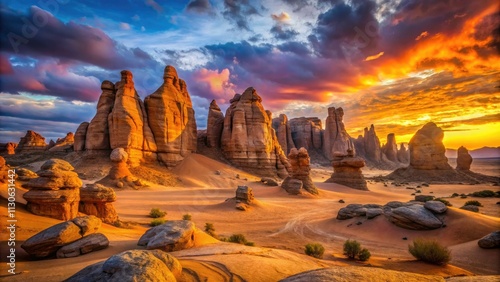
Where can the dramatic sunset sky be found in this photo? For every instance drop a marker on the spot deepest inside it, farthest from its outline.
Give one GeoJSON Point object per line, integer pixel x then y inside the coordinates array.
{"type": "Point", "coordinates": [394, 63]}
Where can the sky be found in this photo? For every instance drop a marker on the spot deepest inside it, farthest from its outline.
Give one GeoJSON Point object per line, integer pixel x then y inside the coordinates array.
{"type": "Point", "coordinates": [397, 64]}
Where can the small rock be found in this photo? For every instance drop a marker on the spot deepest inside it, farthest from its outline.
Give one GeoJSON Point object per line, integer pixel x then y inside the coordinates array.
{"type": "Point", "coordinates": [119, 184]}
{"type": "Point", "coordinates": [241, 207]}
{"type": "Point", "coordinates": [359, 223]}
{"type": "Point", "coordinates": [343, 202]}
{"type": "Point", "coordinates": [436, 206]}
{"type": "Point", "coordinates": [490, 241]}
{"type": "Point", "coordinates": [217, 172]}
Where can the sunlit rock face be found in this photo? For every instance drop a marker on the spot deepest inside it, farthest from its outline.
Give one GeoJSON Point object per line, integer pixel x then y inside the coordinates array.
{"type": "Point", "coordinates": [248, 139]}
{"type": "Point", "coordinates": [427, 151]}
{"type": "Point", "coordinates": [336, 140]}
{"type": "Point", "coordinates": [283, 130]}
{"type": "Point", "coordinates": [31, 142]}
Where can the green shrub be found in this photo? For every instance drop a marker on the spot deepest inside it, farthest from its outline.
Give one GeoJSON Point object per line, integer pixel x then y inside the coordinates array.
{"type": "Point", "coordinates": [157, 213]}
{"type": "Point", "coordinates": [351, 248]}
{"type": "Point", "coordinates": [210, 229]}
{"type": "Point", "coordinates": [157, 221]}
{"type": "Point", "coordinates": [448, 204]}
{"type": "Point", "coordinates": [430, 251]}
{"type": "Point", "coordinates": [237, 238]}
{"type": "Point", "coordinates": [364, 255]}
{"type": "Point", "coordinates": [250, 244]}
{"type": "Point", "coordinates": [187, 216]}
{"type": "Point", "coordinates": [454, 195]}
{"type": "Point", "coordinates": [484, 194]}
{"type": "Point", "coordinates": [315, 250]}
{"type": "Point", "coordinates": [473, 203]}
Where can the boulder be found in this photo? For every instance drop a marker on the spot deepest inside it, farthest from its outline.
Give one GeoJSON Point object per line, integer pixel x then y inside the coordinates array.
{"type": "Point", "coordinates": [490, 241]}
{"type": "Point", "coordinates": [292, 186]}
{"type": "Point", "coordinates": [248, 139]}
{"type": "Point", "coordinates": [133, 265]}
{"type": "Point", "coordinates": [215, 124]}
{"type": "Point", "coordinates": [351, 211]}
{"type": "Point", "coordinates": [414, 217]}
{"type": "Point", "coordinates": [269, 181]}
{"type": "Point", "coordinates": [436, 207]}
{"type": "Point", "coordinates": [300, 169]}
{"type": "Point", "coordinates": [244, 194]}
{"type": "Point", "coordinates": [48, 241]}
{"type": "Point", "coordinates": [171, 118]}
{"type": "Point", "coordinates": [120, 169]}
{"type": "Point", "coordinates": [97, 200]}
{"type": "Point", "coordinates": [171, 236]}
{"type": "Point", "coordinates": [347, 171]}
{"type": "Point", "coordinates": [80, 136]}
{"type": "Point", "coordinates": [464, 159]}
{"type": "Point", "coordinates": [55, 193]}
{"type": "Point", "coordinates": [427, 151]}
{"type": "Point", "coordinates": [87, 244]}
{"type": "Point", "coordinates": [335, 137]}
{"type": "Point", "coordinates": [373, 212]}
{"type": "Point", "coordinates": [31, 142]}
{"type": "Point", "coordinates": [283, 133]}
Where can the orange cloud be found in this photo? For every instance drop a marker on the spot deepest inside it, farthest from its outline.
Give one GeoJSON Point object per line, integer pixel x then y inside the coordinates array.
{"type": "Point", "coordinates": [374, 57]}
{"type": "Point", "coordinates": [422, 35]}
{"type": "Point", "coordinates": [283, 17]}
{"type": "Point", "coordinates": [216, 82]}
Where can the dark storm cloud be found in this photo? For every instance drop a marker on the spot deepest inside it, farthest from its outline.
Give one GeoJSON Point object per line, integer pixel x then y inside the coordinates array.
{"type": "Point", "coordinates": [199, 6]}
{"type": "Point", "coordinates": [238, 11]}
{"type": "Point", "coordinates": [282, 33]}
{"type": "Point", "coordinates": [298, 48]}
{"type": "Point", "coordinates": [39, 33]}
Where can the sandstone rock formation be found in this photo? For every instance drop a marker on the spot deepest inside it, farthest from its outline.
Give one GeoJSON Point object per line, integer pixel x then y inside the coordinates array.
{"type": "Point", "coordinates": [347, 171]}
{"type": "Point", "coordinates": [174, 235]}
{"type": "Point", "coordinates": [119, 169]}
{"type": "Point", "coordinates": [97, 200]}
{"type": "Point", "coordinates": [244, 194]}
{"type": "Point", "coordinates": [85, 245]}
{"type": "Point", "coordinates": [97, 137]}
{"type": "Point", "coordinates": [415, 217]}
{"type": "Point", "coordinates": [132, 265]}
{"type": "Point", "coordinates": [284, 133]}
{"type": "Point", "coordinates": [80, 136]}
{"type": "Point", "coordinates": [403, 154]}
{"type": "Point", "coordinates": [464, 159]}
{"type": "Point", "coordinates": [390, 149]}
{"type": "Point", "coordinates": [48, 241]}
{"type": "Point", "coordinates": [248, 139]}
{"type": "Point", "coordinates": [4, 171]}
{"type": "Point", "coordinates": [31, 142]}
{"type": "Point", "coordinates": [336, 139]}
{"type": "Point", "coordinates": [300, 170]}
{"type": "Point", "coordinates": [8, 148]}
{"type": "Point", "coordinates": [490, 241]}
{"type": "Point", "coordinates": [215, 124]}
{"type": "Point", "coordinates": [427, 151]}
{"type": "Point", "coordinates": [307, 132]}
{"type": "Point", "coordinates": [369, 145]}
{"type": "Point", "coordinates": [171, 118]}
{"type": "Point", "coordinates": [24, 174]}
{"type": "Point", "coordinates": [56, 192]}
{"type": "Point", "coordinates": [64, 144]}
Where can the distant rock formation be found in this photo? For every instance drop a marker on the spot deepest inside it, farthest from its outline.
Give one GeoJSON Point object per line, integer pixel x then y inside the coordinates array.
{"type": "Point", "coordinates": [8, 148]}
{"type": "Point", "coordinates": [215, 124]}
{"type": "Point", "coordinates": [248, 139]}
{"type": "Point", "coordinates": [64, 144]}
{"type": "Point", "coordinates": [284, 133]}
{"type": "Point", "coordinates": [347, 171]}
{"type": "Point", "coordinates": [368, 146]}
{"type": "Point", "coordinates": [162, 128]}
{"type": "Point", "coordinates": [80, 136]}
{"type": "Point", "coordinates": [300, 171]}
{"type": "Point", "coordinates": [31, 142]}
{"type": "Point", "coordinates": [56, 192]}
{"type": "Point", "coordinates": [403, 154]}
{"type": "Point", "coordinates": [336, 139]}
{"type": "Point", "coordinates": [307, 132]}
{"type": "Point", "coordinates": [4, 171]}
{"type": "Point", "coordinates": [171, 117]}
{"type": "Point", "coordinates": [97, 200]}
{"type": "Point", "coordinates": [390, 149]}
{"type": "Point", "coordinates": [464, 159]}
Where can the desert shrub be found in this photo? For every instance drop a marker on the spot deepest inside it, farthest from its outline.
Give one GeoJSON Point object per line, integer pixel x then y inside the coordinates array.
{"type": "Point", "coordinates": [473, 203]}
{"type": "Point", "coordinates": [237, 238]}
{"type": "Point", "coordinates": [484, 194]}
{"type": "Point", "coordinates": [249, 244]}
{"type": "Point", "coordinates": [187, 216]}
{"type": "Point", "coordinates": [430, 251]}
{"type": "Point", "coordinates": [210, 229]}
{"type": "Point", "coordinates": [455, 195]}
{"type": "Point", "coordinates": [351, 248]}
{"type": "Point", "coordinates": [364, 255]}
{"type": "Point", "coordinates": [157, 221]}
{"type": "Point", "coordinates": [157, 213]}
{"type": "Point", "coordinates": [315, 250]}
{"type": "Point", "coordinates": [447, 203]}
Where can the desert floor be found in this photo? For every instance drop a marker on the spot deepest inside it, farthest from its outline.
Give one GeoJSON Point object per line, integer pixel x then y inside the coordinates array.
{"type": "Point", "coordinates": [279, 224]}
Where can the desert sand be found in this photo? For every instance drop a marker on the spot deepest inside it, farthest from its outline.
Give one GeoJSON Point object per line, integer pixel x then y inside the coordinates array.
{"type": "Point", "coordinates": [279, 224]}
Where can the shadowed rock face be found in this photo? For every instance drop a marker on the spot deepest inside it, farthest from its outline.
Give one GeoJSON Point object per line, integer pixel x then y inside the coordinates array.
{"type": "Point", "coordinates": [390, 149]}
{"type": "Point", "coordinates": [248, 139]}
{"type": "Point", "coordinates": [403, 154]}
{"type": "Point", "coordinates": [335, 138]}
{"type": "Point", "coordinates": [464, 159]}
{"type": "Point", "coordinates": [32, 141]}
{"type": "Point", "coordinates": [284, 133]}
{"type": "Point", "coordinates": [300, 170]}
{"type": "Point", "coordinates": [427, 151]}
{"type": "Point", "coordinates": [80, 136]}
{"type": "Point", "coordinates": [215, 124]}
{"type": "Point", "coordinates": [307, 132]}
{"type": "Point", "coordinates": [347, 171]}
{"type": "Point", "coordinates": [64, 144]}
{"type": "Point", "coordinates": [97, 136]}
{"type": "Point", "coordinates": [171, 118]}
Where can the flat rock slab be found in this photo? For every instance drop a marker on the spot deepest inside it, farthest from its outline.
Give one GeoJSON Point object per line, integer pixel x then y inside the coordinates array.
{"type": "Point", "coordinates": [171, 236]}
{"type": "Point", "coordinates": [93, 242]}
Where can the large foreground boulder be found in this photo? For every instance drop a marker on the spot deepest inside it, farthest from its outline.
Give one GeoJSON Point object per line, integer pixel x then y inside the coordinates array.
{"type": "Point", "coordinates": [48, 241]}
{"type": "Point", "coordinates": [490, 241]}
{"type": "Point", "coordinates": [415, 217]}
{"type": "Point", "coordinates": [132, 265]}
{"type": "Point", "coordinates": [171, 236]}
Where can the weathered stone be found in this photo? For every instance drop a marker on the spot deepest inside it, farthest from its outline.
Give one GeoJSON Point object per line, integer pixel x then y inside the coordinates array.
{"type": "Point", "coordinates": [64, 144]}
{"type": "Point", "coordinates": [25, 174]}
{"type": "Point", "coordinates": [244, 194]}
{"type": "Point", "coordinates": [347, 171]}
{"type": "Point", "coordinates": [403, 154]}
{"type": "Point", "coordinates": [171, 236]}
{"type": "Point", "coordinates": [373, 212]}
{"type": "Point", "coordinates": [414, 217]}
{"type": "Point", "coordinates": [269, 181]}
{"type": "Point", "coordinates": [90, 243]}
{"type": "Point", "coordinates": [96, 199]}
{"type": "Point", "coordinates": [248, 139]}
{"type": "Point", "coordinates": [300, 169]}
{"type": "Point", "coordinates": [283, 133]}
{"type": "Point", "coordinates": [215, 124]}
{"type": "Point", "coordinates": [336, 140]}
{"type": "Point", "coordinates": [31, 142]}
{"type": "Point", "coordinates": [80, 136]}
{"type": "Point", "coordinates": [390, 149]}
{"type": "Point", "coordinates": [490, 241]}
{"type": "Point", "coordinates": [133, 265]}
{"type": "Point", "coordinates": [97, 137]}
{"type": "Point", "coordinates": [307, 132]}
{"type": "Point", "coordinates": [292, 186]}
{"type": "Point", "coordinates": [120, 169]}
{"type": "Point", "coordinates": [427, 151]}
{"type": "Point", "coordinates": [464, 159]}
{"type": "Point", "coordinates": [351, 211]}
{"type": "Point", "coordinates": [436, 206]}
{"type": "Point", "coordinates": [10, 148]}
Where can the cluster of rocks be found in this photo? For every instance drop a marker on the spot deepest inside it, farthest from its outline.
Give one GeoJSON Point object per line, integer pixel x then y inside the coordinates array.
{"type": "Point", "coordinates": [162, 128]}
{"type": "Point", "coordinates": [67, 239]}
{"type": "Point", "coordinates": [299, 178]}
{"type": "Point", "coordinates": [174, 235]}
{"type": "Point", "coordinates": [347, 171]}
{"type": "Point", "coordinates": [244, 198]}
{"type": "Point", "coordinates": [55, 192]}
{"type": "Point", "coordinates": [35, 142]}
{"type": "Point", "coordinates": [132, 265]}
{"type": "Point", "coordinates": [62, 144]}
{"type": "Point", "coordinates": [413, 215]}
